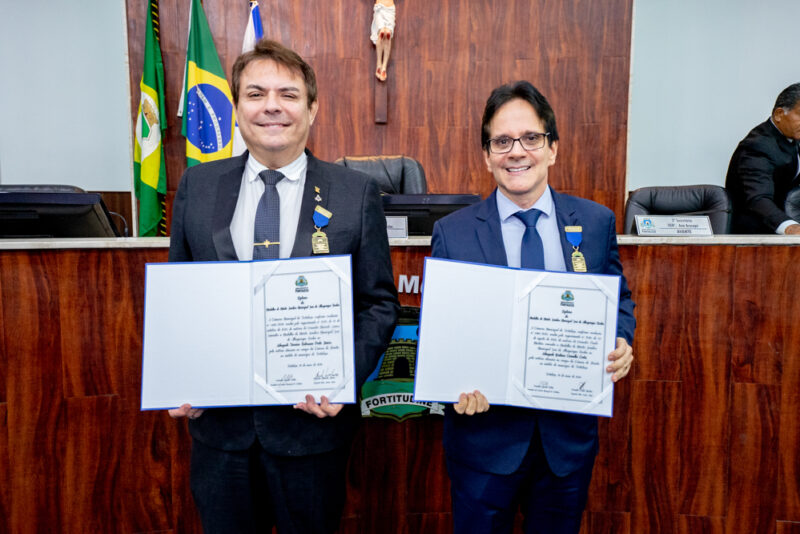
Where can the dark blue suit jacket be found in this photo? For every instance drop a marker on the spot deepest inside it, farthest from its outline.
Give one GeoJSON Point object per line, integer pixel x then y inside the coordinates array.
{"type": "Point", "coordinates": [496, 441]}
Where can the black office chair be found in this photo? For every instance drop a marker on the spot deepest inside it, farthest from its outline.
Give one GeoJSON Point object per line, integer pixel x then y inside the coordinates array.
{"type": "Point", "coordinates": [792, 205]}
{"type": "Point", "coordinates": [711, 200]}
{"type": "Point", "coordinates": [39, 188]}
{"type": "Point", "coordinates": [394, 174]}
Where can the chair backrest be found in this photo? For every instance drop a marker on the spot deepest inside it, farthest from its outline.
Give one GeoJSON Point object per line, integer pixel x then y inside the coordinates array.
{"type": "Point", "coordinates": [792, 206]}
{"type": "Point", "coordinates": [394, 174]}
{"type": "Point", "coordinates": [711, 200]}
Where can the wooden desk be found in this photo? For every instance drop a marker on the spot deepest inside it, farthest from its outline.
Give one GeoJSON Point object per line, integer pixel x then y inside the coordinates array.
{"type": "Point", "coordinates": [704, 437]}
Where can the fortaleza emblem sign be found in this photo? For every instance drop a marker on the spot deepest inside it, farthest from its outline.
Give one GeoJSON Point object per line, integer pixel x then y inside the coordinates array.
{"type": "Point", "coordinates": [389, 390]}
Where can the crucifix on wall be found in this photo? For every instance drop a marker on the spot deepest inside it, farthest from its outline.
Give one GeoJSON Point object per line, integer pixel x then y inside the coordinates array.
{"type": "Point", "coordinates": [381, 34]}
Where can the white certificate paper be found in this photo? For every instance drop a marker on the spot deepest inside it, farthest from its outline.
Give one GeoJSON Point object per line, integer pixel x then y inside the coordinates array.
{"type": "Point", "coordinates": [526, 338]}
{"type": "Point", "coordinates": [248, 333]}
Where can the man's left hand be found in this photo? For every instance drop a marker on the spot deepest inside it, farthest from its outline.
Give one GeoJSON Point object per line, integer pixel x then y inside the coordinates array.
{"type": "Point", "coordinates": [621, 360]}
{"type": "Point", "coordinates": [323, 409]}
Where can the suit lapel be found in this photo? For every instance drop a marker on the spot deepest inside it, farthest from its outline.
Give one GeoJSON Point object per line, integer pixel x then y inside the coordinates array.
{"type": "Point", "coordinates": [228, 188]}
{"type": "Point", "coordinates": [566, 216]}
{"type": "Point", "coordinates": [315, 179]}
{"type": "Point", "coordinates": [490, 236]}
{"type": "Point", "coordinates": [791, 149]}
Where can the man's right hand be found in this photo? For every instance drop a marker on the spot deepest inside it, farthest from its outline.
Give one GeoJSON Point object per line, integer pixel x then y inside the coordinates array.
{"type": "Point", "coordinates": [185, 410]}
{"type": "Point", "coordinates": [792, 229]}
{"type": "Point", "coordinates": [471, 403]}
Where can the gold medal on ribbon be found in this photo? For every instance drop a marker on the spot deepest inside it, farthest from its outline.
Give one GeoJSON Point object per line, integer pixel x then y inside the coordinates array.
{"type": "Point", "coordinates": [574, 235]}
{"type": "Point", "coordinates": [578, 262]}
{"type": "Point", "coordinates": [319, 243]}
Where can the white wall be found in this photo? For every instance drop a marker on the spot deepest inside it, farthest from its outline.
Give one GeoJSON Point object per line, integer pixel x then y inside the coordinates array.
{"type": "Point", "coordinates": [704, 72]}
{"type": "Point", "coordinates": [64, 94]}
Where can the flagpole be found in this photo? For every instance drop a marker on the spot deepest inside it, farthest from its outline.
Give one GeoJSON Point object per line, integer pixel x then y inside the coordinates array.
{"type": "Point", "coordinates": [185, 63]}
{"type": "Point", "coordinates": [134, 227]}
{"type": "Point", "coordinates": [162, 224]}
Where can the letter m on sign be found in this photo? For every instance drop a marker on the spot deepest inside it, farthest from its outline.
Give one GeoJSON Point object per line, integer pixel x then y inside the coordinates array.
{"type": "Point", "coordinates": [408, 285]}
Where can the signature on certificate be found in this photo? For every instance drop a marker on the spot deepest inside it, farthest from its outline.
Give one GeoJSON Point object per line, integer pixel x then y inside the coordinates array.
{"type": "Point", "coordinates": [327, 374]}
{"type": "Point", "coordinates": [285, 379]}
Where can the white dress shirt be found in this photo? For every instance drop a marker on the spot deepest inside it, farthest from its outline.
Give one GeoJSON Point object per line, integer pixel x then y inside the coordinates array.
{"type": "Point", "coordinates": [547, 226]}
{"type": "Point", "coordinates": [290, 190]}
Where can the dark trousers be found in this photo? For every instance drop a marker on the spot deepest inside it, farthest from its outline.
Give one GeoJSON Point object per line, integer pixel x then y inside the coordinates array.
{"type": "Point", "coordinates": [488, 503]}
{"type": "Point", "coordinates": [251, 491]}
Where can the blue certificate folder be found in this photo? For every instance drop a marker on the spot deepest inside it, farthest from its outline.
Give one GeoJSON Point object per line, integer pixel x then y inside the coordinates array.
{"type": "Point", "coordinates": [534, 339]}
{"type": "Point", "coordinates": [248, 333]}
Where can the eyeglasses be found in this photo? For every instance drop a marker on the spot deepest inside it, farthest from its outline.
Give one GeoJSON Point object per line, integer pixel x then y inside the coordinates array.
{"type": "Point", "coordinates": [529, 141]}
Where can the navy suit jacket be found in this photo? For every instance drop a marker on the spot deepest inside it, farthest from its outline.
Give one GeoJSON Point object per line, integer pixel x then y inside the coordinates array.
{"type": "Point", "coordinates": [762, 170]}
{"type": "Point", "coordinates": [202, 213]}
{"type": "Point", "coordinates": [496, 441]}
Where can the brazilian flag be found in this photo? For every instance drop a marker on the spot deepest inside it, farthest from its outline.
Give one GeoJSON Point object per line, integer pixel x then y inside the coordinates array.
{"type": "Point", "coordinates": [207, 105]}
{"type": "Point", "coordinates": [149, 170]}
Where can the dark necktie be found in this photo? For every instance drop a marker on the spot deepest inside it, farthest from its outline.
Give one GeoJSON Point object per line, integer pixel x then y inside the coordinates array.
{"type": "Point", "coordinates": [532, 253]}
{"type": "Point", "coordinates": [268, 218]}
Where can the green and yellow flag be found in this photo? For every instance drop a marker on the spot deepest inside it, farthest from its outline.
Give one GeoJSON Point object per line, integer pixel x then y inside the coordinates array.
{"type": "Point", "coordinates": [206, 104]}
{"type": "Point", "coordinates": [149, 170]}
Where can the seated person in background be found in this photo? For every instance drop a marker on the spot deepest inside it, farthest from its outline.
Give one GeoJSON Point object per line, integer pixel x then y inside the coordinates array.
{"type": "Point", "coordinates": [764, 167]}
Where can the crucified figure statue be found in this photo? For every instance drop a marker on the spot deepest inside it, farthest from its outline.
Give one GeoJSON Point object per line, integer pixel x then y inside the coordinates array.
{"type": "Point", "coordinates": [381, 33]}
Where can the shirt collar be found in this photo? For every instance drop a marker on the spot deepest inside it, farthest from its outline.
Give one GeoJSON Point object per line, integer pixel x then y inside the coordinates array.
{"type": "Point", "coordinates": [292, 171]}
{"type": "Point", "coordinates": [779, 130]}
{"type": "Point", "coordinates": [506, 208]}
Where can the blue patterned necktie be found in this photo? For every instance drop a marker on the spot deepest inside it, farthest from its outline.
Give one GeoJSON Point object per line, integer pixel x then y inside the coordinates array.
{"type": "Point", "coordinates": [532, 253]}
{"type": "Point", "coordinates": [268, 218]}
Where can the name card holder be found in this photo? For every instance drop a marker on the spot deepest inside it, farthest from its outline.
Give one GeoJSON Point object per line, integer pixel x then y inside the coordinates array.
{"type": "Point", "coordinates": [673, 225]}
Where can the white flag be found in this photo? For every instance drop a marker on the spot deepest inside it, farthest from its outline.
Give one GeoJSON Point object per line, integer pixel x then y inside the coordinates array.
{"type": "Point", "coordinates": [252, 34]}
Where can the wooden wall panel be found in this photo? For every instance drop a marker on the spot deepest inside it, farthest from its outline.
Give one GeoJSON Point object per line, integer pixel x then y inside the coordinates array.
{"type": "Point", "coordinates": [384, 486]}
{"type": "Point", "coordinates": [754, 469]}
{"type": "Point", "coordinates": [90, 463]}
{"type": "Point", "coordinates": [789, 436]}
{"type": "Point", "coordinates": [3, 354]}
{"type": "Point", "coordinates": [655, 456]}
{"type": "Point", "coordinates": [35, 406]}
{"type": "Point", "coordinates": [701, 525]}
{"type": "Point", "coordinates": [446, 58]}
{"type": "Point", "coordinates": [426, 469]}
{"type": "Point", "coordinates": [606, 523]}
{"type": "Point", "coordinates": [5, 490]}
{"type": "Point", "coordinates": [705, 374]}
{"type": "Point", "coordinates": [758, 291]}
{"type": "Point", "coordinates": [610, 490]}
{"type": "Point", "coordinates": [94, 362]}
{"type": "Point", "coordinates": [175, 457]}
{"type": "Point", "coordinates": [655, 275]}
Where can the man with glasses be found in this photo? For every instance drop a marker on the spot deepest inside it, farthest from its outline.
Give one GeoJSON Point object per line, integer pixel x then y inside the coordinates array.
{"type": "Point", "coordinates": [505, 458]}
{"type": "Point", "coordinates": [283, 466]}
